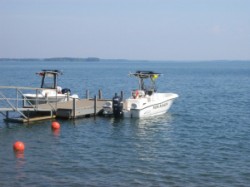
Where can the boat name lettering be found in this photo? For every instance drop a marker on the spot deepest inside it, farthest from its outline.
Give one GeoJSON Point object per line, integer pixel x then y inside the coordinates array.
{"type": "Point", "coordinates": [160, 105]}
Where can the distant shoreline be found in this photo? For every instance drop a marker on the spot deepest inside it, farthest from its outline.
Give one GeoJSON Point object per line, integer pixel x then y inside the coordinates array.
{"type": "Point", "coordinates": [96, 59]}
{"type": "Point", "coordinates": [52, 59]}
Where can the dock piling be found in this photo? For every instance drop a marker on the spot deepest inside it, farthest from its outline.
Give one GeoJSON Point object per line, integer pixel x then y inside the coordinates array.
{"type": "Point", "coordinates": [95, 105]}
{"type": "Point", "coordinates": [122, 95]}
{"type": "Point", "coordinates": [7, 115]}
{"type": "Point", "coordinates": [74, 108]}
{"type": "Point", "coordinates": [87, 94]}
{"type": "Point", "coordinates": [100, 94]}
{"type": "Point", "coordinates": [67, 96]}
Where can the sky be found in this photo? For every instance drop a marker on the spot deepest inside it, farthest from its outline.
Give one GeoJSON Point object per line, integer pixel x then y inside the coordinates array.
{"type": "Point", "coordinates": [126, 29]}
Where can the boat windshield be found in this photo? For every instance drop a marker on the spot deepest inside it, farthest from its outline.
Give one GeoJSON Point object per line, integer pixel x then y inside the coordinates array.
{"type": "Point", "coordinates": [49, 78]}
{"type": "Point", "coordinates": [48, 81]}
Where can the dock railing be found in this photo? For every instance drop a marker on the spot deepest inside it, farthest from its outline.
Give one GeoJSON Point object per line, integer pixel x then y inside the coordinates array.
{"type": "Point", "coordinates": [13, 99]}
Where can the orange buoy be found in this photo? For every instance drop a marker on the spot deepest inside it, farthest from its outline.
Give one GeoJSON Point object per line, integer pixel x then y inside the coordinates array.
{"type": "Point", "coordinates": [55, 125]}
{"type": "Point", "coordinates": [19, 146]}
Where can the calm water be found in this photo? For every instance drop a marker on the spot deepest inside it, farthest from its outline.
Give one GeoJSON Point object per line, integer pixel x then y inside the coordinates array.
{"type": "Point", "coordinates": [204, 140]}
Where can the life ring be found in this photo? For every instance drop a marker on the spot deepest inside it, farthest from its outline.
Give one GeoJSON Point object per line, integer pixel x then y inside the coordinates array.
{"type": "Point", "coordinates": [136, 94]}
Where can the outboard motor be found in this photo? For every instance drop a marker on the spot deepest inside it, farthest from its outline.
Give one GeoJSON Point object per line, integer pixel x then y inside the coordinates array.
{"type": "Point", "coordinates": [117, 106]}
{"type": "Point", "coordinates": [66, 91]}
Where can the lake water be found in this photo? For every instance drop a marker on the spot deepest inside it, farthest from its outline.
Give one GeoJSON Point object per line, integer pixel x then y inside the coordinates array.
{"type": "Point", "coordinates": [204, 140]}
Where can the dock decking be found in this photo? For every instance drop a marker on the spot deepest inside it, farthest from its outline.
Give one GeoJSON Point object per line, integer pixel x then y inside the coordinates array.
{"type": "Point", "coordinates": [67, 110]}
{"type": "Point", "coordinates": [79, 108]}
{"type": "Point", "coordinates": [72, 109]}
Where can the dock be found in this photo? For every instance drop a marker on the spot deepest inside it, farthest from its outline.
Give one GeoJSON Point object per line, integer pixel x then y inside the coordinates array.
{"type": "Point", "coordinates": [80, 108]}
{"type": "Point", "coordinates": [70, 109]}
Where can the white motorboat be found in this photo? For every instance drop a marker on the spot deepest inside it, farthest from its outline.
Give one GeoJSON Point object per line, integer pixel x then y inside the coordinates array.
{"type": "Point", "coordinates": [50, 92]}
{"type": "Point", "coordinates": [144, 101]}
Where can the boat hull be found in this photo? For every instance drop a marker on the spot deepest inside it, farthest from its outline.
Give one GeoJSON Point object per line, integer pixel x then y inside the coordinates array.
{"type": "Point", "coordinates": [152, 109]}
{"type": "Point", "coordinates": [31, 99]}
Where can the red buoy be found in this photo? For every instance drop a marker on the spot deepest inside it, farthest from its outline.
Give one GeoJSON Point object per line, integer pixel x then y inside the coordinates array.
{"type": "Point", "coordinates": [55, 125]}
{"type": "Point", "coordinates": [19, 146]}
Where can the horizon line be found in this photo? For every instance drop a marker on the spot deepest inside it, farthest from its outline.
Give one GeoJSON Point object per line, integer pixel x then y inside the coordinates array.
{"type": "Point", "coordinates": [122, 59]}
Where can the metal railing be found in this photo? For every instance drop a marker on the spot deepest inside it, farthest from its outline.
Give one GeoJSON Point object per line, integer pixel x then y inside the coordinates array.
{"type": "Point", "coordinates": [13, 99]}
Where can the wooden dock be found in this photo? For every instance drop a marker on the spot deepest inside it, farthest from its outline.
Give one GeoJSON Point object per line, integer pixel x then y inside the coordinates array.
{"type": "Point", "coordinates": [79, 108]}
{"type": "Point", "coordinates": [67, 110]}
{"type": "Point", "coordinates": [71, 109]}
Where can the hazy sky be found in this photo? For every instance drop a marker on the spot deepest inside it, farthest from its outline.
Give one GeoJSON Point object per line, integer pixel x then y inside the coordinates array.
{"type": "Point", "coordinates": [131, 29]}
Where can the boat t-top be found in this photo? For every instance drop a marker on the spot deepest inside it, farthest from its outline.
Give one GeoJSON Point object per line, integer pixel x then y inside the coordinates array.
{"type": "Point", "coordinates": [50, 92]}
{"type": "Point", "coordinates": [144, 101]}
